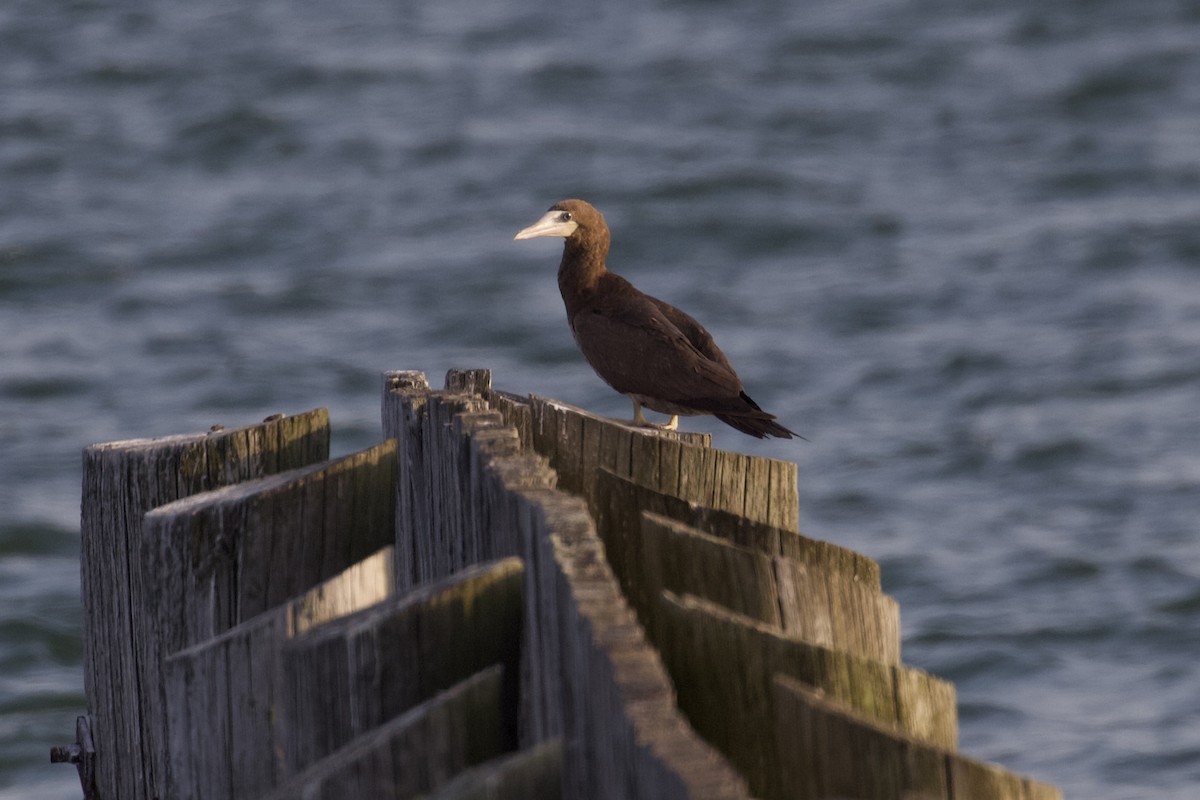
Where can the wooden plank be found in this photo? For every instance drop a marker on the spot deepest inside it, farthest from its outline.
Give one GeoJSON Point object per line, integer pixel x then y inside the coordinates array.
{"type": "Point", "coordinates": [498, 484]}
{"type": "Point", "coordinates": [207, 551]}
{"type": "Point", "coordinates": [237, 677]}
{"type": "Point", "coordinates": [644, 461]}
{"type": "Point", "coordinates": [355, 672]}
{"type": "Point", "coordinates": [517, 413]}
{"type": "Point", "coordinates": [437, 539]}
{"type": "Point", "coordinates": [697, 481]}
{"type": "Point", "coordinates": [591, 455]}
{"type": "Point", "coordinates": [922, 701]}
{"type": "Point", "coordinates": [577, 442]}
{"type": "Point", "coordinates": [717, 479]}
{"type": "Point", "coordinates": [805, 600]}
{"type": "Point", "coordinates": [825, 607]}
{"type": "Point", "coordinates": [670, 458]}
{"type": "Point", "coordinates": [403, 412]}
{"type": "Point", "coordinates": [531, 774]}
{"type": "Point", "coordinates": [183, 697]}
{"type": "Point", "coordinates": [121, 482]}
{"type": "Point", "coordinates": [417, 751]}
{"type": "Point", "coordinates": [782, 496]}
{"type": "Point", "coordinates": [482, 437]}
{"type": "Point", "coordinates": [732, 708]}
{"type": "Point", "coordinates": [976, 779]}
{"type": "Point", "coordinates": [221, 557]}
{"type": "Point", "coordinates": [289, 442]}
{"type": "Point", "coordinates": [567, 457]}
{"type": "Point", "coordinates": [252, 670]}
{"type": "Point", "coordinates": [757, 503]}
{"type": "Point", "coordinates": [620, 501]}
{"type": "Point", "coordinates": [670, 555]}
{"type": "Point", "coordinates": [618, 442]}
{"type": "Point", "coordinates": [469, 381]}
{"type": "Point", "coordinates": [730, 489]}
{"type": "Point", "coordinates": [801, 600]}
{"type": "Point", "coordinates": [823, 747]}
{"type": "Point", "coordinates": [275, 518]}
{"type": "Point", "coordinates": [823, 753]}
{"type": "Point", "coordinates": [360, 585]}
{"type": "Point", "coordinates": [209, 736]}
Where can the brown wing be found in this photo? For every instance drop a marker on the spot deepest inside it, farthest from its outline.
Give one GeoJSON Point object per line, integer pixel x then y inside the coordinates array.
{"type": "Point", "coordinates": [696, 334]}
{"type": "Point", "coordinates": [638, 349]}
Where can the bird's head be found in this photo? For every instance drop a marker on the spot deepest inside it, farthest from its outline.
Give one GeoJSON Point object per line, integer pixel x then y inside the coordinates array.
{"type": "Point", "coordinates": [568, 219]}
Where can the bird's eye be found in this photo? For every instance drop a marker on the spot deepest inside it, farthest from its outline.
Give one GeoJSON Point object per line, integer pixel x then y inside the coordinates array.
{"type": "Point", "coordinates": [564, 216]}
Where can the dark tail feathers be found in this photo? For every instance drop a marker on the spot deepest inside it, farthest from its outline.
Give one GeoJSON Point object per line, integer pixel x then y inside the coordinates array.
{"type": "Point", "coordinates": [758, 424]}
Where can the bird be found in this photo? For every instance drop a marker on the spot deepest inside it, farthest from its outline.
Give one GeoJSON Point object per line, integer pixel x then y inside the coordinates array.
{"type": "Point", "coordinates": [646, 349]}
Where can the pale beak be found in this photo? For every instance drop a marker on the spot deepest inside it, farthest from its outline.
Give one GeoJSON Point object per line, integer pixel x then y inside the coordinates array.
{"type": "Point", "coordinates": [548, 225]}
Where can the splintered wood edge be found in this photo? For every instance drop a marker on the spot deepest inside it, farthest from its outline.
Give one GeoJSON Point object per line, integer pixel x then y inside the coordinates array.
{"type": "Point", "coordinates": [961, 772]}
{"type": "Point", "coordinates": [319, 417]}
{"type": "Point", "coordinates": [254, 487]}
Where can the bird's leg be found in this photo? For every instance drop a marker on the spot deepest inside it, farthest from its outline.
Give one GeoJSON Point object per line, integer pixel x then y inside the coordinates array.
{"type": "Point", "coordinates": [638, 418]}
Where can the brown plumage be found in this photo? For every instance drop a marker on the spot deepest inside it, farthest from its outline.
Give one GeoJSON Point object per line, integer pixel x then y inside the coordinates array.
{"type": "Point", "coordinates": [644, 348]}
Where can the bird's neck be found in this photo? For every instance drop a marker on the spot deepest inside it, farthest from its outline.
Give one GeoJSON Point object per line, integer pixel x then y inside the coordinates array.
{"type": "Point", "coordinates": [580, 270]}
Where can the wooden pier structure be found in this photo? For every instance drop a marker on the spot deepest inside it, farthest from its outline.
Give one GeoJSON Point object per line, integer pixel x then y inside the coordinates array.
{"type": "Point", "coordinates": [507, 597]}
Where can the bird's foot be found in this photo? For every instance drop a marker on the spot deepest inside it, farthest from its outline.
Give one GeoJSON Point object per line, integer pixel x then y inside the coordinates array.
{"type": "Point", "coordinates": [654, 426]}
{"type": "Point", "coordinates": [640, 420]}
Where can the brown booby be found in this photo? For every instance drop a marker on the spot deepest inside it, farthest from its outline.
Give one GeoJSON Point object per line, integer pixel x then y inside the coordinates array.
{"type": "Point", "coordinates": [648, 350]}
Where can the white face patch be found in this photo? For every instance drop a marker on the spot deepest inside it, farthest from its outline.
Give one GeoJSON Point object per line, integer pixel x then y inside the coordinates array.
{"type": "Point", "coordinates": [551, 224]}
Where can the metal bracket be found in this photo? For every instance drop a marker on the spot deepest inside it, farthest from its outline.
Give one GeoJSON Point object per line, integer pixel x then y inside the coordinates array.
{"type": "Point", "coordinates": [82, 754]}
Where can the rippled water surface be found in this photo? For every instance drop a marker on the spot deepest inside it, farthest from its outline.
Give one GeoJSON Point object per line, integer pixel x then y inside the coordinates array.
{"type": "Point", "coordinates": [956, 245]}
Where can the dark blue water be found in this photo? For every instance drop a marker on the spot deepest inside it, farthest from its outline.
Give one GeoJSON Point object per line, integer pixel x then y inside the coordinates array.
{"type": "Point", "coordinates": [955, 244]}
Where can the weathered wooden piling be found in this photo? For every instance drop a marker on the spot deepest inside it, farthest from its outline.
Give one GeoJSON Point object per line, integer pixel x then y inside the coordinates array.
{"type": "Point", "coordinates": [121, 482]}
{"type": "Point", "coordinates": [507, 597]}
